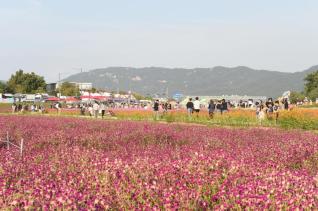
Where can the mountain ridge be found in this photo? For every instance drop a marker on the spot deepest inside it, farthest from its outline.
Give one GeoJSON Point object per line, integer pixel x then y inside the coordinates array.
{"type": "Point", "coordinates": [218, 80]}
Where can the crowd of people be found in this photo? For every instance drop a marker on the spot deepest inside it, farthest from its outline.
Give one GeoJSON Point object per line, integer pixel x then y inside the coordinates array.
{"type": "Point", "coordinates": [20, 108]}
{"type": "Point", "coordinates": [164, 106]}
{"type": "Point", "coordinates": [93, 109]}
{"type": "Point", "coordinates": [268, 109]}
{"type": "Point", "coordinates": [195, 106]}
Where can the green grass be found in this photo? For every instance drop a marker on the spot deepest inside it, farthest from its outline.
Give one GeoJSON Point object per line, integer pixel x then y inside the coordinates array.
{"type": "Point", "coordinates": [298, 123]}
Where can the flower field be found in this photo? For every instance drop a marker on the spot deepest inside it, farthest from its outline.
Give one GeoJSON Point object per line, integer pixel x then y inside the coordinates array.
{"type": "Point", "coordinates": [72, 163]}
{"type": "Point", "coordinates": [301, 118]}
{"type": "Point", "coordinates": [297, 118]}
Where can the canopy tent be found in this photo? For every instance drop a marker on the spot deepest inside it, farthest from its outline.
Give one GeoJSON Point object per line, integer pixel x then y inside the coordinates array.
{"type": "Point", "coordinates": [71, 99]}
{"type": "Point", "coordinates": [101, 98]}
{"type": "Point", "coordinates": [53, 99]}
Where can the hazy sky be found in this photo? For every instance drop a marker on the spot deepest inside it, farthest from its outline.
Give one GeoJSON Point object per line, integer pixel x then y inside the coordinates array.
{"type": "Point", "coordinates": [52, 36]}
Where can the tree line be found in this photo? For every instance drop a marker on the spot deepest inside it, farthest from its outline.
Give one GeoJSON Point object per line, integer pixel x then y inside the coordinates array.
{"type": "Point", "coordinates": [25, 83]}
{"type": "Point", "coordinates": [31, 83]}
{"type": "Point", "coordinates": [310, 89]}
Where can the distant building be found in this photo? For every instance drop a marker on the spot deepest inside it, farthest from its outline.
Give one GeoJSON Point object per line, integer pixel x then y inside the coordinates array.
{"type": "Point", "coordinates": [84, 86]}
{"type": "Point", "coordinates": [81, 86]}
{"type": "Point", "coordinates": [51, 87]}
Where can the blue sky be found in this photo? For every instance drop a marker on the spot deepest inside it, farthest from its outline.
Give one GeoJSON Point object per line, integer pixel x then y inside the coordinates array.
{"type": "Point", "coordinates": [52, 36]}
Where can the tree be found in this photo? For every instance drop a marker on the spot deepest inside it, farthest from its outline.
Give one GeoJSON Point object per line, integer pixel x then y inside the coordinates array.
{"type": "Point", "coordinates": [3, 87]}
{"type": "Point", "coordinates": [26, 83]}
{"type": "Point", "coordinates": [313, 94]}
{"type": "Point", "coordinates": [68, 89]}
{"type": "Point", "coordinates": [141, 97]}
{"type": "Point", "coordinates": [94, 90]}
{"type": "Point", "coordinates": [296, 97]}
{"type": "Point", "coordinates": [123, 92]}
{"type": "Point", "coordinates": [311, 85]}
{"type": "Point", "coordinates": [40, 90]}
{"type": "Point", "coordinates": [138, 96]}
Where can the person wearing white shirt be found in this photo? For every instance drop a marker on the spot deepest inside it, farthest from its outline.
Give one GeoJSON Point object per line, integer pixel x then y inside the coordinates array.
{"type": "Point", "coordinates": [96, 109]}
{"type": "Point", "coordinates": [196, 106]}
{"type": "Point", "coordinates": [58, 108]}
{"type": "Point", "coordinates": [90, 110]}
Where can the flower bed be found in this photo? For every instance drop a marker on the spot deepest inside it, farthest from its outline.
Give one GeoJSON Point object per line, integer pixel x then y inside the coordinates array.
{"type": "Point", "coordinates": [79, 164]}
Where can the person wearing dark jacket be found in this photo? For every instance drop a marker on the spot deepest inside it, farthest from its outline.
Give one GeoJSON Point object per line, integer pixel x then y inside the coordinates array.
{"type": "Point", "coordinates": [156, 109]}
{"type": "Point", "coordinates": [190, 107]}
{"type": "Point", "coordinates": [211, 108]}
{"type": "Point", "coordinates": [285, 102]}
{"type": "Point", "coordinates": [224, 106]}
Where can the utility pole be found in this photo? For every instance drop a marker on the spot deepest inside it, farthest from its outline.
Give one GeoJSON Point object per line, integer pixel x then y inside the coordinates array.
{"type": "Point", "coordinates": [59, 85]}
{"type": "Point", "coordinates": [167, 92]}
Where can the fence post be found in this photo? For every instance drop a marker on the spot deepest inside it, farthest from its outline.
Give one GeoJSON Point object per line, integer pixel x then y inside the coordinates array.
{"type": "Point", "coordinates": [21, 148]}
{"type": "Point", "coordinates": [8, 141]}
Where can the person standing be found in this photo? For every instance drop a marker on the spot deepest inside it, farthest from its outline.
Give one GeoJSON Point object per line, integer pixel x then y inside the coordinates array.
{"type": "Point", "coordinates": [224, 106]}
{"type": "Point", "coordinates": [41, 109]}
{"type": "Point", "coordinates": [13, 107]}
{"type": "Point", "coordinates": [96, 109]}
{"type": "Point", "coordinates": [103, 108]}
{"type": "Point", "coordinates": [82, 109]}
{"type": "Point", "coordinates": [270, 111]}
{"type": "Point", "coordinates": [258, 109]}
{"type": "Point", "coordinates": [190, 107]}
{"type": "Point", "coordinates": [22, 109]}
{"type": "Point", "coordinates": [90, 110]}
{"type": "Point", "coordinates": [197, 106]}
{"type": "Point", "coordinates": [32, 108]}
{"type": "Point", "coordinates": [261, 114]}
{"type": "Point", "coordinates": [219, 106]}
{"type": "Point", "coordinates": [58, 108]}
{"type": "Point", "coordinates": [156, 109]}
{"type": "Point", "coordinates": [285, 102]}
{"type": "Point", "coordinates": [276, 110]}
{"type": "Point", "coordinates": [269, 102]}
{"type": "Point", "coordinates": [19, 107]}
{"type": "Point", "coordinates": [269, 108]}
{"type": "Point", "coordinates": [165, 107]}
{"type": "Point", "coordinates": [211, 109]}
